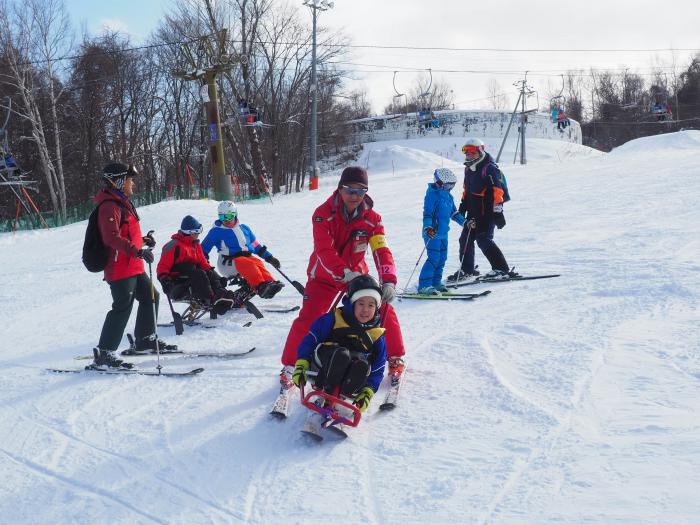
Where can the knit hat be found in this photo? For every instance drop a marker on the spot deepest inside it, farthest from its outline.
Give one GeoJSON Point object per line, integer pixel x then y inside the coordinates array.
{"type": "Point", "coordinates": [190, 225]}
{"type": "Point", "coordinates": [353, 175]}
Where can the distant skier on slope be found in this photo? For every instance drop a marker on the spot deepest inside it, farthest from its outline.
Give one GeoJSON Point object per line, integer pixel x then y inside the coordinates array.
{"type": "Point", "coordinates": [482, 204]}
{"type": "Point", "coordinates": [438, 209]}
{"type": "Point", "coordinates": [346, 346]}
{"type": "Point", "coordinates": [182, 265]}
{"type": "Point", "coordinates": [127, 248]}
{"type": "Point", "coordinates": [343, 227]}
{"type": "Point", "coordinates": [236, 244]}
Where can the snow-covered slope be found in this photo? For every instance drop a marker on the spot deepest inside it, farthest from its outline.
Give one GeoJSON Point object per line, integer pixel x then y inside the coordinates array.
{"type": "Point", "coordinates": [570, 400]}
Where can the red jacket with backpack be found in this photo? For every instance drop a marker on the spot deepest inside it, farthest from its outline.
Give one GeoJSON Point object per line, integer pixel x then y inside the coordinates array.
{"type": "Point", "coordinates": [121, 233]}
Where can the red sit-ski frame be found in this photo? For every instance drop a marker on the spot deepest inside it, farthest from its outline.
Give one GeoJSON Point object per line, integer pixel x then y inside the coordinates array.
{"type": "Point", "coordinates": [330, 410]}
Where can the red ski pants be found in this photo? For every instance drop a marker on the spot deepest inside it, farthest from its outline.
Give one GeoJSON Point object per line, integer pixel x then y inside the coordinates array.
{"type": "Point", "coordinates": [319, 298]}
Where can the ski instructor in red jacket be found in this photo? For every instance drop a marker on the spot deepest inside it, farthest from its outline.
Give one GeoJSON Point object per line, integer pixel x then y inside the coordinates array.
{"type": "Point", "coordinates": [128, 249]}
{"type": "Point", "coordinates": [343, 227]}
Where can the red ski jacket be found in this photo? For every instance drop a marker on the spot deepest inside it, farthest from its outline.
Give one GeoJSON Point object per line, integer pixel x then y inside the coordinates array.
{"type": "Point", "coordinates": [341, 242]}
{"type": "Point", "coordinates": [121, 233]}
{"type": "Point", "coordinates": [181, 249]}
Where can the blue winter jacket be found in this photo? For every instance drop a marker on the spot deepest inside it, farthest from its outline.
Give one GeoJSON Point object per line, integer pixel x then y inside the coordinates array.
{"type": "Point", "coordinates": [321, 331]}
{"type": "Point", "coordinates": [438, 208]}
{"type": "Point", "coordinates": [236, 241]}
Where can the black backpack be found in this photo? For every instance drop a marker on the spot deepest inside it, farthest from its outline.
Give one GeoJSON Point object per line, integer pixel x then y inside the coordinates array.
{"type": "Point", "coordinates": [95, 253]}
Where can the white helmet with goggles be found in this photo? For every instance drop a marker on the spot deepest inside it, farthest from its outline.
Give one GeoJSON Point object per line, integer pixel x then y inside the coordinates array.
{"type": "Point", "coordinates": [227, 211]}
{"type": "Point", "coordinates": [474, 150]}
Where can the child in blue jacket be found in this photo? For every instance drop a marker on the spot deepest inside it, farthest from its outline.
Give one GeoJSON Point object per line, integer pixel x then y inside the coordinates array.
{"type": "Point", "coordinates": [346, 346]}
{"type": "Point", "coordinates": [438, 209]}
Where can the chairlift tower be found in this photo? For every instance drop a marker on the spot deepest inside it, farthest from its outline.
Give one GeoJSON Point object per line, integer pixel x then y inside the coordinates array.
{"type": "Point", "coordinates": [524, 92]}
{"type": "Point", "coordinates": [315, 6]}
{"type": "Point", "coordinates": [219, 63]}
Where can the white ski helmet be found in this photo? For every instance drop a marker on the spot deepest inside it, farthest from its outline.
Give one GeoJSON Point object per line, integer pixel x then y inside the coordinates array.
{"type": "Point", "coordinates": [445, 179]}
{"type": "Point", "coordinates": [227, 211]}
{"type": "Point", "coordinates": [474, 150]}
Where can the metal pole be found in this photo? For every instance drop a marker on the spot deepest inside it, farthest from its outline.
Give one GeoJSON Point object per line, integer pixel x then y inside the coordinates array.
{"type": "Point", "coordinates": [314, 101]}
{"type": "Point", "coordinates": [223, 189]}
{"type": "Point", "coordinates": [523, 119]}
{"type": "Point", "coordinates": [512, 117]}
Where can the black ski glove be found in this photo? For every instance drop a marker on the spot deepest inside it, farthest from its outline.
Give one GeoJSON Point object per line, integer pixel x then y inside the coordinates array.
{"type": "Point", "coordinates": [499, 219]}
{"type": "Point", "coordinates": [274, 261]}
{"type": "Point", "coordinates": [166, 283]}
{"type": "Point", "coordinates": [146, 254]}
{"type": "Point", "coordinates": [149, 241]}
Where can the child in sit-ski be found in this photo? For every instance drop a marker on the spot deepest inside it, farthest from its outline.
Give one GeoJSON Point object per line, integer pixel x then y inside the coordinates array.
{"type": "Point", "coordinates": [438, 209]}
{"type": "Point", "coordinates": [346, 346]}
{"type": "Point", "coordinates": [236, 244]}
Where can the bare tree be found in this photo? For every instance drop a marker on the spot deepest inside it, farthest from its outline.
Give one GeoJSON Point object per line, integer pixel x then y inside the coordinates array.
{"type": "Point", "coordinates": [35, 34]}
{"type": "Point", "coordinates": [497, 99]}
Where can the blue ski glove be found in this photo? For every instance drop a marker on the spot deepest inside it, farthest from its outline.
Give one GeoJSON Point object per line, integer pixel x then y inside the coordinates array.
{"type": "Point", "coordinates": [300, 369]}
{"type": "Point", "coordinates": [363, 398]}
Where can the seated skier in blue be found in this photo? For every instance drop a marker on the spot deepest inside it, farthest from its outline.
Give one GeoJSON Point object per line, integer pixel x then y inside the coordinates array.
{"type": "Point", "coordinates": [236, 244]}
{"type": "Point", "coordinates": [346, 346]}
{"type": "Point", "coordinates": [438, 209]}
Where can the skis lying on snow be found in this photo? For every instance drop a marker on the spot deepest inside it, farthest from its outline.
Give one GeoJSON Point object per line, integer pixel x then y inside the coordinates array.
{"type": "Point", "coordinates": [128, 371]}
{"type": "Point", "coordinates": [282, 310]}
{"type": "Point", "coordinates": [479, 280]}
{"type": "Point", "coordinates": [136, 353]}
{"type": "Point", "coordinates": [444, 296]}
{"type": "Point", "coordinates": [392, 395]}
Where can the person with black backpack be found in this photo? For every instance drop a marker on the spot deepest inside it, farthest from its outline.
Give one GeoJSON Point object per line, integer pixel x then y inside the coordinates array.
{"type": "Point", "coordinates": [115, 241]}
{"type": "Point", "coordinates": [485, 191]}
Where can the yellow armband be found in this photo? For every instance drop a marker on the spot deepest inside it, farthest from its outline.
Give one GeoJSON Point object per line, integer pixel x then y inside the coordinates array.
{"type": "Point", "coordinates": [376, 242]}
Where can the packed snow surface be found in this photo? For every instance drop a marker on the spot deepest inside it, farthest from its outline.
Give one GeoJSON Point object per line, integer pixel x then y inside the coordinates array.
{"type": "Point", "coordinates": [570, 400]}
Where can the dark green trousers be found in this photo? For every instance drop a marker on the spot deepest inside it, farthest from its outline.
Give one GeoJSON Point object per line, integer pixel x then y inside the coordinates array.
{"type": "Point", "coordinates": [124, 291]}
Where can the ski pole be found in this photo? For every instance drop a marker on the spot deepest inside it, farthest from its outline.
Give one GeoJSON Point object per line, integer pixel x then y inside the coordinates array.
{"type": "Point", "coordinates": [464, 252]}
{"type": "Point", "coordinates": [425, 246]}
{"type": "Point", "coordinates": [296, 284]}
{"type": "Point", "coordinates": [155, 322]}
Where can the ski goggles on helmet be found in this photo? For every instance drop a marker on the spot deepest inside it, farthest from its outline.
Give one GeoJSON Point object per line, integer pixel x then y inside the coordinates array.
{"type": "Point", "coordinates": [471, 151]}
{"type": "Point", "coordinates": [228, 216]}
{"type": "Point", "coordinates": [195, 231]}
{"type": "Point", "coordinates": [447, 186]}
{"type": "Point", "coordinates": [354, 191]}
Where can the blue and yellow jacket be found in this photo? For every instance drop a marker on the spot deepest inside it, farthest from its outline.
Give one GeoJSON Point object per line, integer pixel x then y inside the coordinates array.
{"type": "Point", "coordinates": [438, 209]}
{"type": "Point", "coordinates": [333, 328]}
{"type": "Point", "coordinates": [235, 242]}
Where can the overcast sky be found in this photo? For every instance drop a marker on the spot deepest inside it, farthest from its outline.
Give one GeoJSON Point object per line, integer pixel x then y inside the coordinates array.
{"type": "Point", "coordinates": [559, 27]}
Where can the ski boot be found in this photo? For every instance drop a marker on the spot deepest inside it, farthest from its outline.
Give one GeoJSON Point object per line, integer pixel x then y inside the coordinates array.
{"type": "Point", "coordinates": [460, 275]}
{"type": "Point", "coordinates": [428, 290]}
{"type": "Point", "coordinates": [149, 343]}
{"type": "Point", "coordinates": [106, 359]}
{"type": "Point", "coordinates": [268, 289]}
{"type": "Point", "coordinates": [442, 288]}
{"type": "Point", "coordinates": [396, 367]}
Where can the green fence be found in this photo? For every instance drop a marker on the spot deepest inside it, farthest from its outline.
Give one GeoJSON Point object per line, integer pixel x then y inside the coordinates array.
{"type": "Point", "coordinates": [82, 211]}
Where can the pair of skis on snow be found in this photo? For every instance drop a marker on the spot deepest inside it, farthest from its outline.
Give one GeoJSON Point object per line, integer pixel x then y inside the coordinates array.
{"type": "Point", "coordinates": [451, 296]}
{"type": "Point", "coordinates": [168, 350]}
{"type": "Point", "coordinates": [314, 425]}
